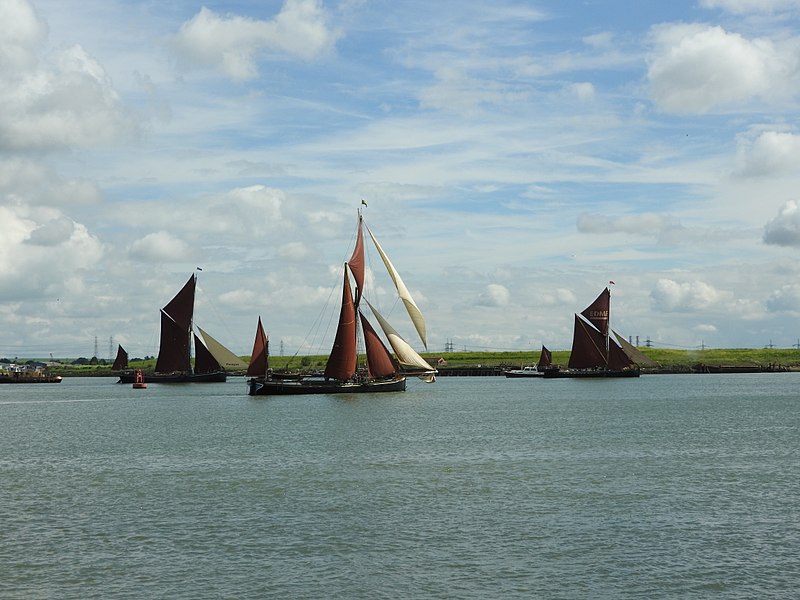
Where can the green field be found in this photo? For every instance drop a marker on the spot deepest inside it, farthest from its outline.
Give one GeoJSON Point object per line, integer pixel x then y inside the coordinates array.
{"type": "Point", "coordinates": [669, 359]}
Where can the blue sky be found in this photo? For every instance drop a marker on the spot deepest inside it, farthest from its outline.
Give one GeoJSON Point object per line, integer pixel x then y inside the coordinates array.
{"type": "Point", "coordinates": [515, 158]}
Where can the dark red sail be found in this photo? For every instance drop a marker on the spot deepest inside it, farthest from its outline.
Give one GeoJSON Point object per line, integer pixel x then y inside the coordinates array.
{"type": "Point", "coordinates": [343, 359]}
{"type": "Point", "coordinates": [259, 359]}
{"type": "Point", "coordinates": [545, 358]}
{"type": "Point", "coordinates": [588, 347]}
{"type": "Point", "coordinates": [181, 307]}
{"type": "Point", "coordinates": [121, 361]}
{"type": "Point", "coordinates": [204, 362]}
{"type": "Point", "coordinates": [356, 263]}
{"type": "Point", "coordinates": [617, 359]}
{"type": "Point", "coordinates": [173, 353]}
{"type": "Point", "coordinates": [379, 362]}
{"type": "Point", "coordinates": [597, 312]}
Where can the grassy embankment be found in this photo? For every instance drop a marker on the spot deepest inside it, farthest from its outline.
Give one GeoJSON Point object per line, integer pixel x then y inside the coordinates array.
{"type": "Point", "coordinates": [669, 359]}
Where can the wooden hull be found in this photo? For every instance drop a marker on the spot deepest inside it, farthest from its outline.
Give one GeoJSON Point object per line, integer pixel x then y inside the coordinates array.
{"type": "Point", "coordinates": [20, 378]}
{"type": "Point", "coordinates": [287, 387]}
{"type": "Point", "coordinates": [588, 373]}
{"type": "Point", "coordinates": [215, 377]}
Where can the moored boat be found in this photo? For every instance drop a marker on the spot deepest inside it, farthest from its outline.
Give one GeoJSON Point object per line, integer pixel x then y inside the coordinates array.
{"type": "Point", "coordinates": [545, 361]}
{"type": "Point", "coordinates": [25, 374]}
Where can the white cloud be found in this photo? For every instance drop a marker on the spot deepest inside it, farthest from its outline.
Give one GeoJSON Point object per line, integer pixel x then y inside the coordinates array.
{"type": "Point", "coordinates": [457, 91]}
{"type": "Point", "coordinates": [69, 103]}
{"type": "Point", "coordinates": [52, 233]}
{"type": "Point", "coordinates": [785, 299]}
{"type": "Point", "coordinates": [772, 152]}
{"type": "Point", "coordinates": [294, 251]}
{"type": "Point", "coordinates": [698, 68]}
{"type": "Point", "coordinates": [494, 295]}
{"type": "Point", "coordinates": [234, 43]}
{"type": "Point", "coordinates": [40, 251]}
{"type": "Point", "coordinates": [33, 183]}
{"type": "Point", "coordinates": [784, 229]}
{"type": "Point", "coordinates": [582, 91]}
{"type": "Point", "coordinates": [160, 247]}
{"type": "Point", "coordinates": [664, 229]}
{"type": "Point", "coordinates": [21, 33]}
{"type": "Point", "coordinates": [752, 6]}
{"type": "Point", "coordinates": [671, 296]}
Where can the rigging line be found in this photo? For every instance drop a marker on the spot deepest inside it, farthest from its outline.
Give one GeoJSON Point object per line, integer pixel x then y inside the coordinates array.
{"type": "Point", "coordinates": [207, 300]}
{"type": "Point", "coordinates": [316, 325]}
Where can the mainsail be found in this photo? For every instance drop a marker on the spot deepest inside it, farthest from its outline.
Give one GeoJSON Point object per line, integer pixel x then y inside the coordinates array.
{"type": "Point", "coordinates": [343, 359]}
{"type": "Point", "coordinates": [588, 346]}
{"type": "Point", "coordinates": [545, 359]}
{"type": "Point", "coordinates": [259, 360]}
{"type": "Point", "coordinates": [176, 326]}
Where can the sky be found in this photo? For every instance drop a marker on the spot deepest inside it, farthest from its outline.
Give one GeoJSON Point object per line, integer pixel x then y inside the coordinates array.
{"type": "Point", "coordinates": [515, 157]}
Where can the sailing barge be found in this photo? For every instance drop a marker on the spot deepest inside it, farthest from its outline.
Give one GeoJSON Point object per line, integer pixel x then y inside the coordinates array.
{"type": "Point", "coordinates": [174, 362]}
{"type": "Point", "coordinates": [594, 352]}
{"type": "Point", "coordinates": [382, 372]}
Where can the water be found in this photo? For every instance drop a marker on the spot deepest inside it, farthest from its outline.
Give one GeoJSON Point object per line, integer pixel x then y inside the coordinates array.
{"type": "Point", "coordinates": [674, 486]}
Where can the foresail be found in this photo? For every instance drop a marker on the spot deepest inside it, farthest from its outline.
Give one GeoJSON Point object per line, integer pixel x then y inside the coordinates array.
{"type": "Point", "coordinates": [227, 359]}
{"type": "Point", "coordinates": [636, 355]}
{"type": "Point", "coordinates": [402, 291]}
{"type": "Point", "coordinates": [406, 355]}
{"type": "Point", "coordinates": [379, 362]}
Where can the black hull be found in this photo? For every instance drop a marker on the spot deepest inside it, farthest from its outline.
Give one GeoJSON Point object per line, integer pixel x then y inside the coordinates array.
{"type": "Point", "coordinates": [286, 387]}
{"type": "Point", "coordinates": [589, 373]}
{"type": "Point", "coordinates": [215, 377]}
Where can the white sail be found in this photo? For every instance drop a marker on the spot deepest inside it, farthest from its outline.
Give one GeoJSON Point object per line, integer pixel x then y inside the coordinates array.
{"type": "Point", "coordinates": [402, 291]}
{"type": "Point", "coordinates": [227, 359]}
{"type": "Point", "coordinates": [406, 355]}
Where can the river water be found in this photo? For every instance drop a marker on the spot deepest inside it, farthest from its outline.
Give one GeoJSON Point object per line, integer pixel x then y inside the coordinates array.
{"type": "Point", "coordinates": [666, 486]}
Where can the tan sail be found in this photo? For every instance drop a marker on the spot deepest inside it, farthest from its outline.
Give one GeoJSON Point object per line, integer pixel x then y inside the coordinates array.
{"type": "Point", "coordinates": [636, 355]}
{"type": "Point", "coordinates": [227, 359]}
{"type": "Point", "coordinates": [406, 355]}
{"type": "Point", "coordinates": [402, 291]}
